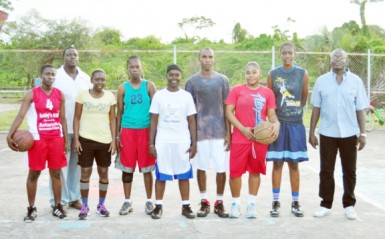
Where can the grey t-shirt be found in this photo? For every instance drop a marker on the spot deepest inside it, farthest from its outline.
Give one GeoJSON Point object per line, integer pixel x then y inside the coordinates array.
{"type": "Point", "coordinates": [209, 94]}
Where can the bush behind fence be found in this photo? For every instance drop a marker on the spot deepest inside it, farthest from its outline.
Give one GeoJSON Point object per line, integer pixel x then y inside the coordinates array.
{"type": "Point", "coordinates": [19, 68]}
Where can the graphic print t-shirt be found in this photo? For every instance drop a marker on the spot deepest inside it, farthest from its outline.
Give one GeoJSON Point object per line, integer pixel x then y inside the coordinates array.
{"type": "Point", "coordinates": [95, 119]}
{"type": "Point", "coordinates": [250, 107]}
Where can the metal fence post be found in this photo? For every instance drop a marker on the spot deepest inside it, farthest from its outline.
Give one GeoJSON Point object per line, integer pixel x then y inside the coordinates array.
{"type": "Point", "coordinates": [174, 54]}
{"type": "Point", "coordinates": [369, 74]}
{"type": "Point", "coordinates": [272, 57]}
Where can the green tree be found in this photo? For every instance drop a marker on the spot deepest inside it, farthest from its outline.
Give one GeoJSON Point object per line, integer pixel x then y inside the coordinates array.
{"type": "Point", "coordinates": [239, 34]}
{"type": "Point", "coordinates": [362, 4]}
{"type": "Point", "coordinates": [6, 4]}
{"type": "Point", "coordinates": [108, 36]}
{"type": "Point", "coordinates": [191, 26]}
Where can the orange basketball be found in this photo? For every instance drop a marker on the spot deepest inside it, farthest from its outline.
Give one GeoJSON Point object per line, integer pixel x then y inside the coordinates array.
{"type": "Point", "coordinates": [23, 139]}
{"type": "Point", "coordinates": [262, 133]}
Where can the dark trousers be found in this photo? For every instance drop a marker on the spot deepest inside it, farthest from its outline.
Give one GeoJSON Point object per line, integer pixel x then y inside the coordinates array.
{"type": "Point", "coordinates": [348, 154]}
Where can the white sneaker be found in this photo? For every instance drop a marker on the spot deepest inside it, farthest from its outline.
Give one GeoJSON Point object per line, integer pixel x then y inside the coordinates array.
{"type": "Point", "coordinates": [322, 211]}
{"type": "Point", "coordinates": [235, 211]}
{"type": "Point", "coordinates": [251, 211]}
{"type": "Point", "coordinates": [350, 213]}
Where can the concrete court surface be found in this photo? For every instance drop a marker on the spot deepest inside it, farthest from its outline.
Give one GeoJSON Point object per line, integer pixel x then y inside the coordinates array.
{"type": "Point", "coordinates": [370, 192]}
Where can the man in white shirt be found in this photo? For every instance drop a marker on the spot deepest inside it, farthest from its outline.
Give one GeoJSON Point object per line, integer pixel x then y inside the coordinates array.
{"type": "Point", "coordinates": [70, 80]}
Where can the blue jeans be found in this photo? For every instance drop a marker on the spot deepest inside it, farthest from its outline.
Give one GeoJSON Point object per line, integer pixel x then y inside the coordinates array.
{"type": "Point", "coordinates": [70, 176]}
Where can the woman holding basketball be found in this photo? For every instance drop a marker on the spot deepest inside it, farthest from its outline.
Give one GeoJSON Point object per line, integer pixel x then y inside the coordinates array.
{"type": "Point", "coordinates": [44, 107]}
{"type": "Point", "coordinates": [247, 105]}
{"type": "Point", "coordinates": [94, 129]}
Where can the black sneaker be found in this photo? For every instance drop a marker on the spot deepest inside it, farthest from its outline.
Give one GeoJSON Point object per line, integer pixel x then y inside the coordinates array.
{"type": "Point", "coordinates": [31, 214]}
{"type": "Point", "coordinates": [219, 209]}
{"type": "Point", "coordinates": [296, 209]}
{"type": "Point", "coordinates": [59, 212]}
{"type": "Point", "coordinates": [275, 209]}
{"type": "Point", "coordinates": [205, 208]}
{"type": "Point", "coordinates": [187, 212]}
{"type": "Point", "coordinates": [157, 212]}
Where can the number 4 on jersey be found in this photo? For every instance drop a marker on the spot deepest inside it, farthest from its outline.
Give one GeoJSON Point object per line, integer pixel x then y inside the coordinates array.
{"type": "Point", "coordinates": [49, 104]}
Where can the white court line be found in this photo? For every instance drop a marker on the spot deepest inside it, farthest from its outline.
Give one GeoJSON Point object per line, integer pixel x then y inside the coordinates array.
{"type": "Point", "coordinates": [357, 192]}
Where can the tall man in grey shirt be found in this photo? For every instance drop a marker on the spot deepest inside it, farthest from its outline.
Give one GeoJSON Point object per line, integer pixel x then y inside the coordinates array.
{"type": "Point", "coordinates": [209, 90]}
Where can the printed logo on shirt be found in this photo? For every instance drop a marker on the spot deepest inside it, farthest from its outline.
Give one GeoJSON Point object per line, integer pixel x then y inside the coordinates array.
{"type": "Point", "coordinates": [259, 102]}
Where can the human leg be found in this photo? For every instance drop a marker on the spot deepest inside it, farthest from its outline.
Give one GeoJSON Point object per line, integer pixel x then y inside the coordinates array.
{"type": "Point", "coordinates": [328, 153]}
{"type": "Point", "coordinates": [348, 154]}
{"type": "Point", "coordinates": [103, 187]}
{"type": "Point", "coordinates": [160, 186]}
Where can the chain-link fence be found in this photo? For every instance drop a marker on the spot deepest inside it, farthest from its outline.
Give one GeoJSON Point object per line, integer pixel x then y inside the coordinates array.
{"type": "Point", "coordinates": [20, 68]}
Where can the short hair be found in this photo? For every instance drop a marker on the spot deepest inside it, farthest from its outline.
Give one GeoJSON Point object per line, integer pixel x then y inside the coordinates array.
{"type": "Point", "coordinates": [173, 67]}
{"type": "Point", "coordinates": [43, 67]}
{"type": "Point", "coordinates": [342, 51]}
{"type": "Point", "coordinates": [205, 49]}
{"type": "Point", "coordinates": [97, 71]}
{"type": "Point", "coordinates": [289, 44]}
{"type": "Point", "coordinates": [70, 47]}
{"type": "Point", "coordinates": [134, 57]}
{"type": "Point", "coordinates": [253, 63]}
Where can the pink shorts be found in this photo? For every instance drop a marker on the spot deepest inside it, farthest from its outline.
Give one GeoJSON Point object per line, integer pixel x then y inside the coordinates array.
{"type": "Point", "coordinates": [135, 148]}
{"type": "Point", "coordinates": [47, 150]}
{"type": "Point", "coordinates": [247, 157]}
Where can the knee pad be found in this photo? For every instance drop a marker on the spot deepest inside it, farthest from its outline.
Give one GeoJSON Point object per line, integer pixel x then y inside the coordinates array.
{"type": "Point", "coordinates": [127, 177]}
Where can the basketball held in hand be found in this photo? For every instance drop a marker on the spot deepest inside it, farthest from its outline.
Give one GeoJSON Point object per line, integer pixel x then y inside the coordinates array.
{"type": "Point", "coordinates": [24, 140]}
{"type": "Point", "coordinates": [263, 132]}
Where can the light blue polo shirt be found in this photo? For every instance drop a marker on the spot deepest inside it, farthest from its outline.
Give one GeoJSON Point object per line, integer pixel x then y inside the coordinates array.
{"type": "Point", "coordinates": [339, 103]}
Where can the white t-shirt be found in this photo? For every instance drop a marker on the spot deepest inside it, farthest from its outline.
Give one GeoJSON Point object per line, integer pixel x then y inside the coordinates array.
{"type": "Point", "coordinates": [173, 109]}
{"type": "Point", "coordinates": [70, 88]}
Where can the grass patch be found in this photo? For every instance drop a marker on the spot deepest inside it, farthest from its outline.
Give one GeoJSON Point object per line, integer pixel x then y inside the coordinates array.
{"type": "Point", "coordinates": [7, 118]}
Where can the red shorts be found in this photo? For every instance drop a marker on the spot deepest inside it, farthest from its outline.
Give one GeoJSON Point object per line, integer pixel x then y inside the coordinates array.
{"type": "Point", "coordinates": [243, 159]}
{"type": "Point", "coordinates": [135, 148]}
{"type": "Point", "coordinates": [47, 150]}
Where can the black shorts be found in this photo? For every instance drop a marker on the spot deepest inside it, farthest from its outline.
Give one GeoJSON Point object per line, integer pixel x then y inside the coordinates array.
{"type": "Point", "coordinates": [91, 150]}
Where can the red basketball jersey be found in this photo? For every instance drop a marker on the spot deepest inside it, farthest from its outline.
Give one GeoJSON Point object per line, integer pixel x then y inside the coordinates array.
{"type": "Point", "coordinates": [43, 114]}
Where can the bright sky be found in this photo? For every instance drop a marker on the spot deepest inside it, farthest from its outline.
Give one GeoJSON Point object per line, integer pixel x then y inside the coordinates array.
{"type": "Point", "coordinates": [140, 18]}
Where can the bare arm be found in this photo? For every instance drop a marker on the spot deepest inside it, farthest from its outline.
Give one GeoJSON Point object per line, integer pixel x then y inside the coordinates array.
{"type": "Point", "coordinates": [191, 119]}
{"type": "Point", "coordinates": [63, 122]}
{"type": "Point", "coordinates": [230, 114]}
{"type": "Point", "coordinates": [19, 119]}
{"type": "Point", "coordinates": [77, 116]}
{"type": "Point", "coordinates": [269, 83]}
{"type": "Point", "coordinates": [112, 117]}
{"type": "Point", "coordinates": [361, 140]}
{"type": "Point", "coordinates": [120, 104]}
{"type": "Point", "coordinates": [315, 114]}
{"type": "Point", "coordinates": [153, 127]}
{"type": "Point", "coordinates": [151, 89]}
{"type": "Point", "coordinates": [305, 89]}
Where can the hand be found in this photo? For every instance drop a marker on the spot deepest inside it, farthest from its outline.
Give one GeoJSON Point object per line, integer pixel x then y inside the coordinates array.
{"type": "Point", "coordinates": [275, 130]}
{"type": "Point", "coordinates": [313, 141]}
{"type": "Point", "coordinates": [247, 133]}
{"type": "Point", "coordinates": [12, 144]}
{"type": "Point", "coordinates": [228, 141]}
{"type": "Point", "coordinates": [112, 148]}
{"type": "Point", "coordinates": [77, 147]}
{"type": "Point", "coordinates": [192, 151]}
{"type": "Point", "coordinates": [361, 142]}
{"type": "Point", "coordinates": [67, 147]}
{"type": "Point", "coordinates": [152, 151]}
{"type": "Point", "coordinates": [118, 144]}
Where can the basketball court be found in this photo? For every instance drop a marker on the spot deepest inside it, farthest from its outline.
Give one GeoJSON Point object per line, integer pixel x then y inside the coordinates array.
{"type": "Point", "coordinates": [370, 207]}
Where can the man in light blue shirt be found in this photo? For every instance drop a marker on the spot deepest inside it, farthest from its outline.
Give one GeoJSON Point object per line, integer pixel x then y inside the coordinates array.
{"type": "Point", "coordinates": [339, 99]}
